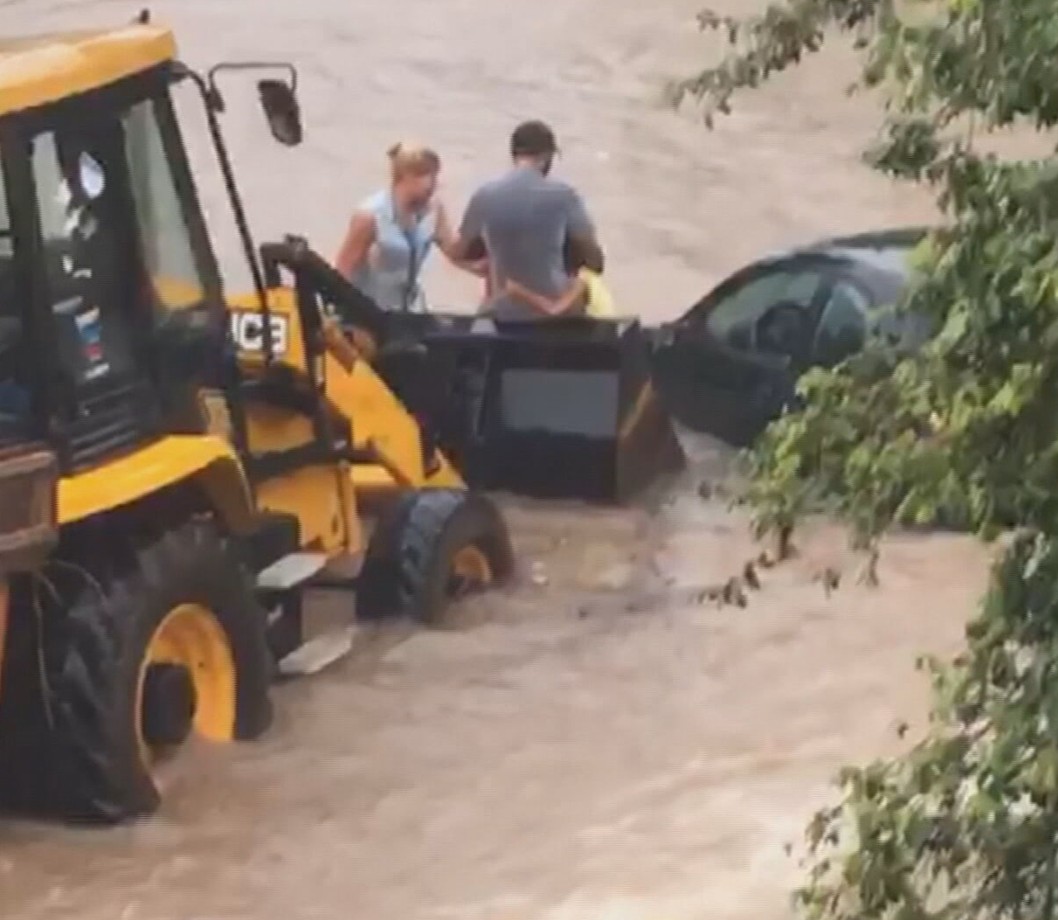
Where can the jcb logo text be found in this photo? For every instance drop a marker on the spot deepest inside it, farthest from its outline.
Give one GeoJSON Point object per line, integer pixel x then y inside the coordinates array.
{"type": "Point", "coordinates": [247, 328]}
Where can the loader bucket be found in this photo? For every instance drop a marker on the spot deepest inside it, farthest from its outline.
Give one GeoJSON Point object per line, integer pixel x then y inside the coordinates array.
{"type": "Point", "coordinates": [561, 409]}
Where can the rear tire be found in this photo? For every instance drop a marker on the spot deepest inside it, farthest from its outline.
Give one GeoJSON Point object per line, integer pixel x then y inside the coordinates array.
{"type": "Point", "coordinates": [92, 765]}
{"type": "Point", "coordinates": [413, 562]}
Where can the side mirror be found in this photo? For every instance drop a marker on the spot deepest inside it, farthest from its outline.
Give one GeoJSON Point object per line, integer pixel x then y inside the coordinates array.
{"type": "Point", "coordinates": [280, 104]}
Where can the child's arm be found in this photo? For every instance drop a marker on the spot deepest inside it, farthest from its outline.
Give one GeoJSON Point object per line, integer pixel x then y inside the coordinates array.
{"type": "Point", "coordinates": [574, 295]}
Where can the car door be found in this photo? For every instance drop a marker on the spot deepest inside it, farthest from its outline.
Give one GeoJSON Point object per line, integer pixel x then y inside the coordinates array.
{"type": "Point", "coordinates": [729, 367]}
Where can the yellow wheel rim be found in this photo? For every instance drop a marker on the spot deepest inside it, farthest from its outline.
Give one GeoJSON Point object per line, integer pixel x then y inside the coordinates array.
{"type": "Point", "coordinates": [190, 636]}
{"type": "Point", "coordinates": [471, 568]}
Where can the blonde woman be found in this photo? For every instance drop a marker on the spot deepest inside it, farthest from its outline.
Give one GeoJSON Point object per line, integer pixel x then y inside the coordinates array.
{"type": "Point", "coordinates": [392, 233]}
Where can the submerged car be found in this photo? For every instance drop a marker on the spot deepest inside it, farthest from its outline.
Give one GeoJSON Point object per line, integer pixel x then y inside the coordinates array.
{"type": "Point", "coordinates": [730, 364]}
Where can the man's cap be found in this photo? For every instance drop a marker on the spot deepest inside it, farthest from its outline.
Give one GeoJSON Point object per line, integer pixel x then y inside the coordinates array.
{"type": "Point", "coordinates": [533, 139]}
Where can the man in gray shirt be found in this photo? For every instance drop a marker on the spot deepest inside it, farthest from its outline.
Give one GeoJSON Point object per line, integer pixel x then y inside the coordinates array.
{"type": "Point", "coordinates": [535, 229]}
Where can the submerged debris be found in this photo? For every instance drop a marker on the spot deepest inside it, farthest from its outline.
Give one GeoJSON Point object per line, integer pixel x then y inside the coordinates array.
{"type": "Point", "coordinates": [538, 575]}
{"type": "Point", "coordinates": [831, 579]}
{"type": "Point", "coordinates": [749, 576]}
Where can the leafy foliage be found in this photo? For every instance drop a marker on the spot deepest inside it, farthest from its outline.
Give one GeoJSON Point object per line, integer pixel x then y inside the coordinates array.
{"type": "Point", "coordinates": [963, 431]}
{"type": "Point", "coordinates": [965, 825]}
{"type": "Point", "coordinates": [966, 425]}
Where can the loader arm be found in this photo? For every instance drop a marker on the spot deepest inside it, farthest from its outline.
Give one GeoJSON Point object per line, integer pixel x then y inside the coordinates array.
{"type": "Point", "coordinates": [386, 439]}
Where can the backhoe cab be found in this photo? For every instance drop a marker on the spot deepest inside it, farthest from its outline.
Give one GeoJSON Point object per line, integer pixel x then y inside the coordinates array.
{"type": "Point", "coordinates": [213, 457]}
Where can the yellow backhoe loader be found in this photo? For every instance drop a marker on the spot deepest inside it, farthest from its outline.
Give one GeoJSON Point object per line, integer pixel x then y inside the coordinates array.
{"type": "Point", "coordinates": [214, 456]}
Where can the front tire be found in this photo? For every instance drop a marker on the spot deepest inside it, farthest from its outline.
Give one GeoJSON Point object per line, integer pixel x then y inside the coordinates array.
{"type": "Point", "coordinates": [433, 546]}
{"type": "Point", "coordinates": [168, 642]}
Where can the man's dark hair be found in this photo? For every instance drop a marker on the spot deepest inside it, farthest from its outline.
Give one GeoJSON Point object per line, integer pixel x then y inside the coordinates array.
{"type": "Point", "coordinates": [533, 139]}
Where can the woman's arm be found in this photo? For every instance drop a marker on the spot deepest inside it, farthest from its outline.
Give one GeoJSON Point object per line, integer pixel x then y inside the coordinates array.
{"type": "Point", "coordinates": [359, 238]}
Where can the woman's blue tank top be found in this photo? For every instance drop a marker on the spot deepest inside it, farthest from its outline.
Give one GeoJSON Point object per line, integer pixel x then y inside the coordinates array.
{"type": "Point", "coordinates": [391, 274]}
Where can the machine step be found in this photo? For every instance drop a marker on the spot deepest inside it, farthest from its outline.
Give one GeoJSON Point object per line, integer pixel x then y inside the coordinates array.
{"type": "Point", "coordinates": [318, 653]}
{"type": "Point", "coordinates": [290, 571]}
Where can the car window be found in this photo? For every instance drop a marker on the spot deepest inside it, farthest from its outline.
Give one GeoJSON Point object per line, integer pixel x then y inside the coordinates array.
{"type": "Point", "coordinates": [733, 318]}
{"type": "Point", "coordinates": [900, 329]}
{"type": "Point", "coordinates": [842, 327]}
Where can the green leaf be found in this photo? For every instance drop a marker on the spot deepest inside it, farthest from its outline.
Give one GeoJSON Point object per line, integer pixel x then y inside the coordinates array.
{"type": "Point", "coordinates": [965, 825]}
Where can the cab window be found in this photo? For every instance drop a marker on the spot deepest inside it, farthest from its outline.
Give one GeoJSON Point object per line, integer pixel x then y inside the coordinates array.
{"type": "Point", "coordinates": [7, 254]}
{"type": "Point", "coordinates": [88, 257]}
{"type": "Point", "coordinates": [165, 235]}
{"type": "Point", "coordinates": [14, 396]}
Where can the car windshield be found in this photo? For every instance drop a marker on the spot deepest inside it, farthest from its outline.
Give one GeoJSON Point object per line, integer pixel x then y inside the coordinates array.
{"type": "Point", "coordinates": [895, 259]}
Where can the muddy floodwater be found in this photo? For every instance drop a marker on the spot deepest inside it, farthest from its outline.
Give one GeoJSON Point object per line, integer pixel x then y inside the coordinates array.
{"type": "Point", "coordinates": [598, 740]}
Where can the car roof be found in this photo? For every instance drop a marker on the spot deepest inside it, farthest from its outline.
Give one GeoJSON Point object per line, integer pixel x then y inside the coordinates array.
{"type": "Point", "coordinates": [878, 256]}
{"type": "Point", "coordinates": [874, 248]}
{"type": "Point", "coordinates": [38, 69]}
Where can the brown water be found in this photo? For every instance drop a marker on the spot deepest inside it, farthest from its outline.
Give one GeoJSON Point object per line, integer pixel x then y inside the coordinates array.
{"type": "Point", "coordinates": [593, 742]}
